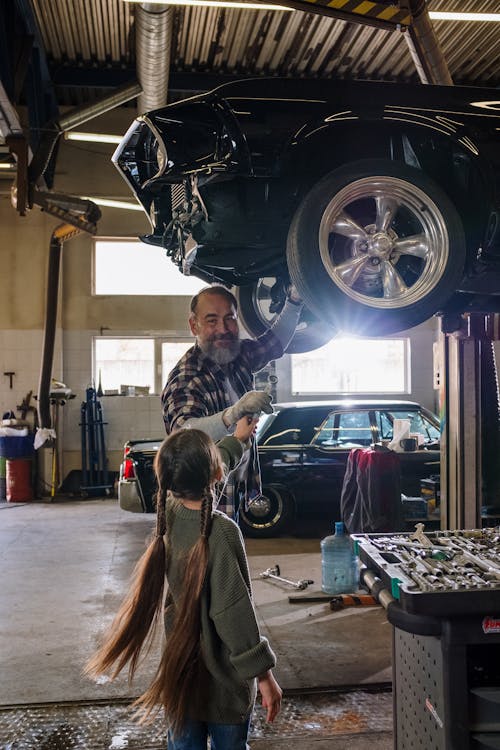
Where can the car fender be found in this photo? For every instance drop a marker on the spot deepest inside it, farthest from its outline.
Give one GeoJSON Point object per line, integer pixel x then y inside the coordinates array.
{"type": "Point", "coordinates": [448, 156]}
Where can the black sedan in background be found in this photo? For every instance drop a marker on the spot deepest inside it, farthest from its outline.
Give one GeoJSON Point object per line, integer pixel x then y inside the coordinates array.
{"type": "Point", "coordinates": [303, 451]}
{"type": "Point", "coordinates": [304, 448]}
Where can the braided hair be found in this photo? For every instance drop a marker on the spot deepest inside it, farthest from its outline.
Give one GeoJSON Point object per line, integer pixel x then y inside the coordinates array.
{"type": "Point", "coordinates": [187, 466]}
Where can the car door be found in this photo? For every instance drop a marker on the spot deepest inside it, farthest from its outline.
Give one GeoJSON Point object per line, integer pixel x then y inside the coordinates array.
{"type": "Point", "coordinates": [280, 441]}
{"type": "Point", "coordinates": [325, 458]}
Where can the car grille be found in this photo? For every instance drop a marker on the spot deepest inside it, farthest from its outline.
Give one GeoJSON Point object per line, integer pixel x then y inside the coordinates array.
{"type": "Point", "coordinates": [177, 196]}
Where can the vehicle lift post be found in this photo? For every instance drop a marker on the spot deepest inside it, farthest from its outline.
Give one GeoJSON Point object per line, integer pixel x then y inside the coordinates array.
{"type": "Point", "coordinates": [466, 367]}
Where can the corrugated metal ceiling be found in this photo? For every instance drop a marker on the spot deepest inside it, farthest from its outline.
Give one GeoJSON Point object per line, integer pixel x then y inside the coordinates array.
{"type": "Point", "coordinates": [82, 36]}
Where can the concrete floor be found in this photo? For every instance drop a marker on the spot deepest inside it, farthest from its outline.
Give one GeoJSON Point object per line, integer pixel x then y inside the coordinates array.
{"type": "Point", "coordinates": [65, 566]}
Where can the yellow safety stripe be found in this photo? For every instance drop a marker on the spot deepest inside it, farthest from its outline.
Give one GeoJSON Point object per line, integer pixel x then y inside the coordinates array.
{"type": "Point", "coordinates": [363, 8]}
{"type": "Point", "coordinates": [397, 14]}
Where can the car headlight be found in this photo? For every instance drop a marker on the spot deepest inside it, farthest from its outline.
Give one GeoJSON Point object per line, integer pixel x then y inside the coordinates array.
{"type": "Point", "coordinates": [161, 157]}
{"type": "Point", "coordinates": [151, 151]}
{"type": "Point", "coordinates": [153, 214]}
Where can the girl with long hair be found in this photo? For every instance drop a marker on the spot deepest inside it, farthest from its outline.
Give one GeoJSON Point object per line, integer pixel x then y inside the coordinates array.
{"type": "Point", "coordinates": [214, 653]}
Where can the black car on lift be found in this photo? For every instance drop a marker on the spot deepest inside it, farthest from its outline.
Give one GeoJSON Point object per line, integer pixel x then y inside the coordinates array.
{"type": "Point", "coordinates": [381, 202]}
{"type": "Point", "coordinates": [303, 452]}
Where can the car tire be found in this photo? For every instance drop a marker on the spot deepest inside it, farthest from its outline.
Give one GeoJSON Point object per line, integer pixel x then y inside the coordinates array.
{"type": "Point", "coordinates": [258, 310]}
{"type": "Point", "coordinates": [272, 514]}
{"type": "Point", "coordinates": [350, 255]}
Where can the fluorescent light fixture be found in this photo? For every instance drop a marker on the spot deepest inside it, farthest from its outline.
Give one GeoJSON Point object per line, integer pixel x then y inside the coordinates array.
{"type": "Point", "coordinates": [109, 203]}
{"type": "Point", "coordinates": [445, 15]}
{"type": "Point", "coordinates": [216, 4]}
{"type": "Point", "coordinates": [7, 165]}
{"type": "Point", "coordinates": [75, 135]}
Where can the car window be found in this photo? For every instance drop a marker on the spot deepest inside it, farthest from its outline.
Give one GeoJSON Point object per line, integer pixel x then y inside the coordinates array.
{"type": "Point", "coordinates": [264, 424]}
{"type": "Point", "coordinates": [419, 424]}
{"type": "Point", "coordinates": [294, 426]}
{"type": "Point", "coordinates": [345, 429]}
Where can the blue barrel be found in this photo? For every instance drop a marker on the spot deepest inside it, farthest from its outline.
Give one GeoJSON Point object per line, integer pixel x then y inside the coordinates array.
{"type": "Point", "coordinates": [13, 446]}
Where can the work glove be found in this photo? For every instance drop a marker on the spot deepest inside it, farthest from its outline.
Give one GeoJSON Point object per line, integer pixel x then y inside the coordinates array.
{"type": "Point", "coordinates": [293, 296]}
{"type": "Point", "coordinates": [253, 402]}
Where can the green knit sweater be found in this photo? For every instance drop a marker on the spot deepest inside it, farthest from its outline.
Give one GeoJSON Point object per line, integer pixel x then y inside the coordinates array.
{"type": "Point", "coordinates": [234, 652]}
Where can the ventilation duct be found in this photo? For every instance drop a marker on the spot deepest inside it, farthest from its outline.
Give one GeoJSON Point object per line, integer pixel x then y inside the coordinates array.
{"type": "Point", "coordinates": [153, 30]}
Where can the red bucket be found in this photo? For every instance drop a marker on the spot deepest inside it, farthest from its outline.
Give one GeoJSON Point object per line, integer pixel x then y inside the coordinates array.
{"type": "Point", "coordinates": [18, 480]}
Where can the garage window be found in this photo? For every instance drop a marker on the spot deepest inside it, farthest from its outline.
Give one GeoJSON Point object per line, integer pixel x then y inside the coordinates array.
{"type": "Point", "coordinates": [353, 365]}
{"type": "Point", "coordinates": [171, 352]}
{"type": "Point", "coordinates": [127, 266]}
{"type": "Point", "coordinates": [135, 366]}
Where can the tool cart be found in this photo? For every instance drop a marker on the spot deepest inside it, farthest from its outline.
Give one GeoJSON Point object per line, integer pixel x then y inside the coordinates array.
{"type": "Point", "coordinates": [441, 591]}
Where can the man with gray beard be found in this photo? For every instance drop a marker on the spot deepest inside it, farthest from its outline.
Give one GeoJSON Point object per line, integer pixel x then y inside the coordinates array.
{"type": "Point", "coordinates": [211, 387]}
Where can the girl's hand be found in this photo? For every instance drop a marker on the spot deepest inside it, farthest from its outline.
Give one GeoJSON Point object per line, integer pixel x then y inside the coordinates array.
{"type": "Point", "coordinates": [271, 695]}
{"type": "Point", "coordinates": [245, 427]}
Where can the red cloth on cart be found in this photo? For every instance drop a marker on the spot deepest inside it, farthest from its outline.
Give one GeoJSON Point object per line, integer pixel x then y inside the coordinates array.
{"type": "Point", "coordinates": [371, 493]}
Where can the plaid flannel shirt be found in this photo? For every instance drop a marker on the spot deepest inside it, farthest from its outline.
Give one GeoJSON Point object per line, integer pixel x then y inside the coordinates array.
{"type": "Point", "coordinates": [198, 387]}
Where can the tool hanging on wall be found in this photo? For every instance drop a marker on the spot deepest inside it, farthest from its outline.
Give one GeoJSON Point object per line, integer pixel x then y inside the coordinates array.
{"type": "Point", "coordinates": [25, 407]}
{"type": "Point", "coordinates": [10, 374]}
{"type": "Point", "coordinates": [96, 478]}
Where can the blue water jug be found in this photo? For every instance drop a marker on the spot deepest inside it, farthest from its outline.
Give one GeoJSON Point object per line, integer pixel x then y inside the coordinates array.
{"type": "Point", "coordinates": [338, 563]}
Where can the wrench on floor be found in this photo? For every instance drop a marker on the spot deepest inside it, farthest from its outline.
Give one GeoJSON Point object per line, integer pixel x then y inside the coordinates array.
{"type": "Point", "coordinates": [275, 572]}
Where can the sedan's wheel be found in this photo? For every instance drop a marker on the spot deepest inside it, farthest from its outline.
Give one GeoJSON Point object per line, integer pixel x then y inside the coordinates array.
{"type": "Point", "coordinates": [269, 515]}
{"type": "Point", "coordinates": [376, 247]}
{"type": "Point", "coordinates": [260, 303]}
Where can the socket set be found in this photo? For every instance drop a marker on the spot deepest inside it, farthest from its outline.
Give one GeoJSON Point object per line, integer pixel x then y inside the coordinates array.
{"type": "Point", "coordinates": [440, 573]}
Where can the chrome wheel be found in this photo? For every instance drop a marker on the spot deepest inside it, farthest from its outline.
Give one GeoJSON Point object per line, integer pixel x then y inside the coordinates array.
{"type": "Point", "coordinates": [269, 514]}
{"type": "Point", "coordinates": [383, 242]}
{"type": "Point", "coordinates": [376, 247]}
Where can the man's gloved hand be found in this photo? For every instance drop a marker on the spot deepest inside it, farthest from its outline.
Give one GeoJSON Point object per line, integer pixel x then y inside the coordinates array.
{"type": "Point", "coordinates": [293, 295]}
{"type": "Point", "coordinates": [252, 402]}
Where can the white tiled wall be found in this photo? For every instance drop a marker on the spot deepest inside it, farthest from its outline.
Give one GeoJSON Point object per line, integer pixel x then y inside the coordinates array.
{"type": "Point", "coordinates": [21, 353]}
{"type": "Point", "coordinates": [125, 417]}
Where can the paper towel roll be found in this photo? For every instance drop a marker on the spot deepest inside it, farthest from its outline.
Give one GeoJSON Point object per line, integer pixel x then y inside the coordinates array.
{"type": "Point", "coordinates": [400, 431]}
